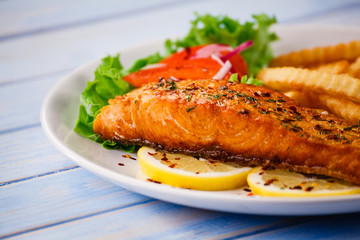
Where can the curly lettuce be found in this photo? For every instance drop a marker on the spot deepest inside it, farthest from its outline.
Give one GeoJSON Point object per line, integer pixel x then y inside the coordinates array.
{"type": "Point", "coordinates": [107, 84]}
{"type": "Point", "coordinates": [207, 29]}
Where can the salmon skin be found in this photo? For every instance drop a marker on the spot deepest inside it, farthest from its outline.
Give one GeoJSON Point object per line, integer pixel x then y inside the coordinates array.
{"type": "Point", "coordinates": [250, 125]}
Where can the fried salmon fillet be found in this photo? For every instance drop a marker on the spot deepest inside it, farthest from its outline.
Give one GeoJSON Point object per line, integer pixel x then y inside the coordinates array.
{"type": "Point", "coordinates": [226, 121]}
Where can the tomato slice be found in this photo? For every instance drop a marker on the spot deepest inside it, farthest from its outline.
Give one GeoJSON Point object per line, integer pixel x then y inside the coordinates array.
{"type": "Point", "coordinates": [179, 72]}
{"type": "Point", "coordinates": [239, 64]}
{"type": "Point", "coordinates": [180, 57]}
{"type": "Point", "coordinates": [181, 66]}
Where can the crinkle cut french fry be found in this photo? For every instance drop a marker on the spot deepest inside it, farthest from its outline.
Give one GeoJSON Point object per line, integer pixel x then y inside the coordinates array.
{"type": "Point", "coordinates": [290, 78]}
{"type": "Point", "coordinates": [354, 68]}
{"type": "Point", "coordinates": [319, 55]}
{"type": "Point", "coordinates": [347, 109]}
{"type": "Point", "coordinates": [305, 99]}
{"type": "Point", "coordinates": [334, 67]}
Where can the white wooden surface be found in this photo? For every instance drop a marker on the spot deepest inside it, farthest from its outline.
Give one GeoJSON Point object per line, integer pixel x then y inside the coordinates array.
{"type": "Point", "coordinates": [43, 194]}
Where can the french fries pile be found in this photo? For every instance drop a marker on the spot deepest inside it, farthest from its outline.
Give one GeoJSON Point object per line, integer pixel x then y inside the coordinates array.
{"type": "Point", "coordinates": [326, 78]}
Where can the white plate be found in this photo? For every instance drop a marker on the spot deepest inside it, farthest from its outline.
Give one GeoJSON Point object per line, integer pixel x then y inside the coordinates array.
{"type": "Point", "coordinates": [60, 110]}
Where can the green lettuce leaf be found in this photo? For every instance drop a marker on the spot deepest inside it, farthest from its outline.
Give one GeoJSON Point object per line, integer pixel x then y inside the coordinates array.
{"type": "Point", "coordinates": [245, 79]}
{"type": "Point", "coordinates": [143, 62]}
{"type": "Point", "coordinates": [106, 85]}
{"type": "Point", "coordinates": [260, 54]}
{"type": "Point", "coordinates": [207, 29]}
{"type": "Point", "coordinates": [251, 80]}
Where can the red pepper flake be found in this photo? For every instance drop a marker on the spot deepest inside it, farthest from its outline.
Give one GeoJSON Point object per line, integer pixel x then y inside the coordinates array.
{"type": "Point", "coordinates": [172, 165]}
{"type": "Point", "coordinates": [152, 154]}
{"type": "Point", "coordinates": [223, 87]}
{"type": "Point", "coordinates": [265, 168]}
{"type": "Point", "coordinates": [292, 108]}
{"type": "Point", "coordinates": [261, 173]}
{"type": "Point", "coordinates": [212, 162]}
{"type": "Point", "coordinates": [330, 180]}
{"type": "Point", "coordinates": [121, 164]}
{"type": "Point", "coordinates": [150, 180]}
{"type": "Point", "coordinates": [197, 173]}
{"type": "Point", "coordinates": [250, 194]}
{"type": "Point", "coordinates": [177, 158]}
{"type": "Point", "coordinates": [270, 181]}
{"type": "Point", "coordinates": [128, 156]}
{"type": "Point", "coordinates": [298, 187]}
{"type": "Point", "coordinates": [308, 189]}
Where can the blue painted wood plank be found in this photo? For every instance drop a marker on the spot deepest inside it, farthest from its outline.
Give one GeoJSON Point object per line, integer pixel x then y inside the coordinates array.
{"type": "Point", "coordinates": [68, 48]}
{"type": "Point", "coordinates": [331, 227]}
{"type": "Point", "coordinates": [21, 18]}
{"type": "Point", "coordinates": [28, 153]}
{"type": "Point", "coordinates": [156, 220]}
{"type": "Point", "coordinates": [21, 102]}
{"type": "Point", "coordinates": [59, 198]}
{"type": "Point", "coordinates": [347, 14]}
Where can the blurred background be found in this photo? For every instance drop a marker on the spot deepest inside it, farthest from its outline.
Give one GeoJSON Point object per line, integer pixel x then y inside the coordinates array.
{"type": "Point", "coordinates": [90, 29]}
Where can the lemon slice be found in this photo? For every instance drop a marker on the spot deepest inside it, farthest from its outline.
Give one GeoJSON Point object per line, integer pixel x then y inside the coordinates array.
{"type": "Point", "coordinates": [184, 171]}
{"type": "Point", "coordinates": [283, 183]}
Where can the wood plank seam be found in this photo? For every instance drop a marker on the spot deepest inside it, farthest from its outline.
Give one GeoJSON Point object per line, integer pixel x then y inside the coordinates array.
{"type": "Point", "coordinates": [12, 130]}
{"type": "Point", "coordinates": [56, 171]}
{"type": "Point", "coordinates": [271, 227]}
{"type": "Point", "coordinates": [77, 218]}
{"type": "Point", "coordinates": [8, 82]}
{"type": "Point", "coordinates": [97, 19]}
{"type": "Point", "coordinates": [319, 14]}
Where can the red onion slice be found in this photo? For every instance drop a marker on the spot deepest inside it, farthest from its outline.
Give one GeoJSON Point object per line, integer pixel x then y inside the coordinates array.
{"type": "Point", "coordinates": [223, 71]}
{"type": "Point", "coordinates": [207, 50]}
{"type": "Point", "coordinates": [155, 65]}
{"type": "Point", "coordinates": [238, 49]}
{"type": "Point", "coordinates": [217, 58]}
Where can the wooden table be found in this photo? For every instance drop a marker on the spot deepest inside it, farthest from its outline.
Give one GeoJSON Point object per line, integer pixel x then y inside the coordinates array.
{"type": "Point", "coordinates": [44, 195]}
